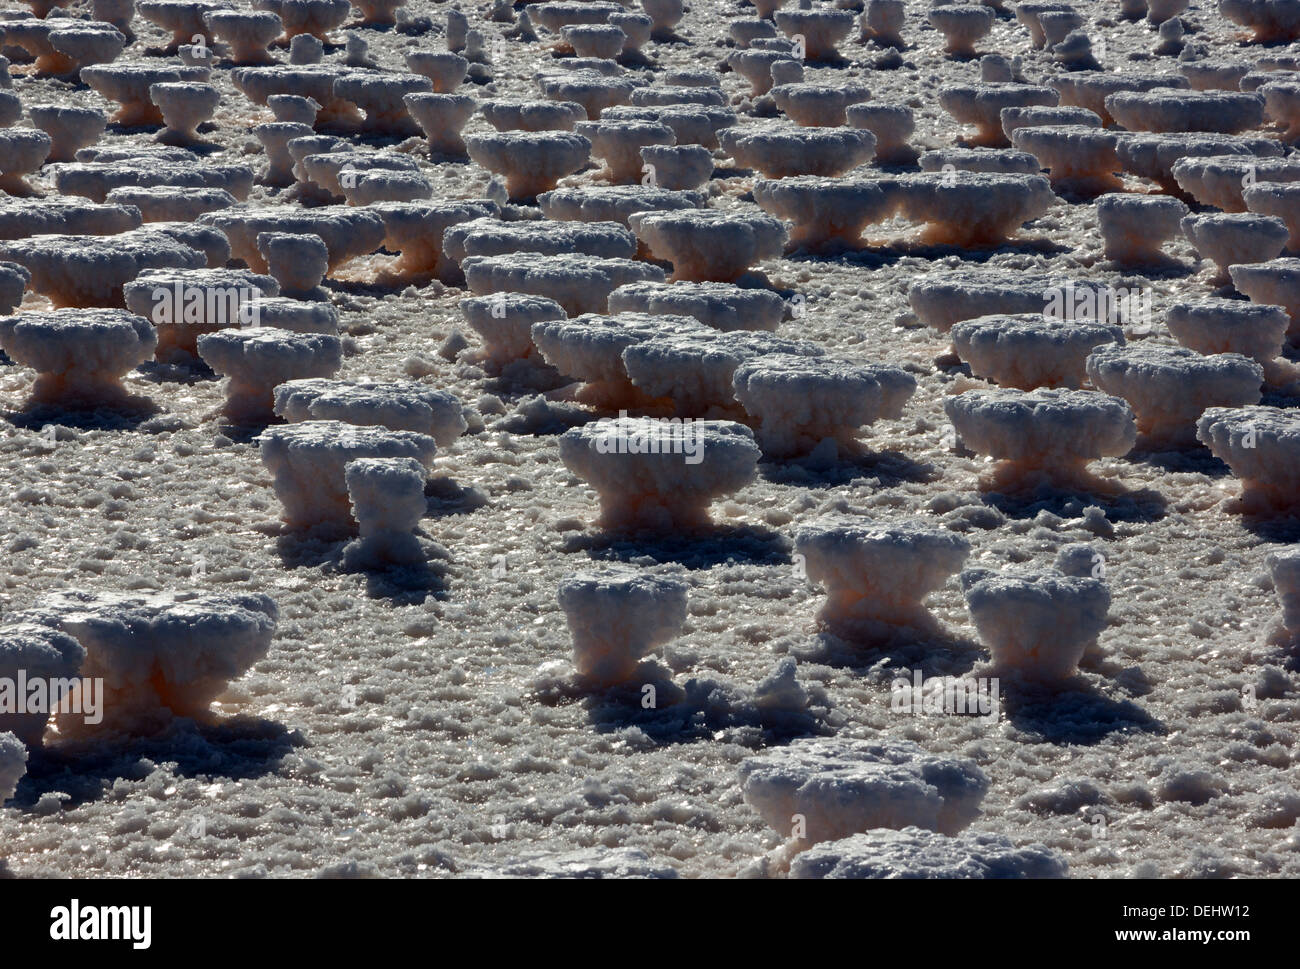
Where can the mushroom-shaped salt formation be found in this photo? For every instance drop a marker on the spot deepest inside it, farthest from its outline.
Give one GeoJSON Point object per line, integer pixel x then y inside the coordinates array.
{"type": "Point", "coordinates": [119, 13]}
{"type": "Point", "coordinates": [531, 161]}
{"type": "Point", "coordinates": [1042, 436]}
{"type": "Point", "coordinates": [70, 128]}
{"type": "Point", "coordinates": [94, 180]}
{"type": "Point", "coordinates": [387, 496]}
{"type": "Point", "coordinates": [22, 152]}
{"type": "Point", "coordinates": [746, 30]}
{"type": "Point", "coordinates": [798, 402]}
{"type": "Point", "coordinates": [892, 124]}
{"type": "Point", "coordinates": [818, 105]}
{"type": "Point", "coordinates": [415, 230]}
{"type": "Point", "coordinates": [184, 105]}
{"type": "Point", "coordinates": [184, 18]}
{"type": "Point", "coordinates": [1134, 227]}
{"type": "Point", "coordinates": [298, 262]}
{"type": "Point", "coordinates": [613, 203]}
{"type": "Point", "coordinates": [1228, 239]}
{"type": "Point", "coordinates": [182, 304]}
{"type": "Point", "coordinates": [293, 314]}
{"type": "Point", "coordinates": [402, 405]}
{"type": "Point", "coordinates": [505, 322]}
{"type": "Point", "coordinates": [1282, 104]}
{"type": "Point", "coordinates": [981, 105]}
{"type": "Point", "coordinates": [21, 218]}
{"type": "Point", "coordinates": [821, 791]}
{"type": "Point", "coordinates": [554, 16]}
{"type": "Point", "coordinates": [382, 98]}
{"type": "Point", "coordinates": [308, 463]}
{"type": "Point", "coordinates": [1058, 24]}
{"type": "Point", "coordinates": [347, 232]}
{"type": "Point", "coordinates": [1034, 117]}
{"type": "Point", "coordinates": [664, 95]}
{"type": "Point", "coordinates": [755, 66]}
{"type": "Point", "coordinates": [972, 208]}
{"type": "Point", "coordinates": [260, 358]}
{"type": "Point", "coordinates": [533, 115]}
{"type": "Point", "coordinates": [781, 150]}
{"type": "Point", "coordinates": [314, 17]}
{"type": "Point", "coordinates": [444, 69]}
{"type": "Point", "coordinates": [1078, 158]}
{"type": "Point", "coordinates": [1262, 446]}
{"type": "Point", "coordinates": [720, 306]}
{"type": "Point", "coordinates": [692, 124]}
{"type": "Point", "coordinates": [961, 26]}
{"type": "Point", "coordinates": [944, 298]}
{"type": "Point", "coordinates": [1270, 21]}
{"type": "Point", "coordinates": [1211, 326]}
{"type": "Point", "coordinates": [13, 281]}
{"type": "Point", "coordinates": [378, 13]}
{"type": "Point", "coordinates": [665, 14]}
{"type": "Point", "coordinates": [1030, 350]}
{"type": "Point", "coordinates": [659, 476]}
{"type": "Point", "coordinates": [166, 203]}
{"type": "Point", "coordinates": [85, 271]}
{"type": "Point", "coordinates": [1039, 624]}
{"type": "Point", "coordinates": [826, 211]}
{"type": "Point", "coordinates": [492, 237]}
{"type": "Point", "coordinates": [678, 167]}
{"type": "Point", "coordinates": [363, 188]}
{"type": "Point", "coordinates": [1222, 112]}
{"type": "Point", "coordinates": [821, 30]}
{"type": "Point", "coordinates": [707, 244]}
{"type": "Point", "coordinates": [1090, 89]}
{"type": "Point", "coordinates": [876, 574]}
{"type": "Point", "coordinates": [882, 22]}
{"type": "Point", "coordinates": [590, 348]}
{"type": "Point", "coordinates": [259, 84]}
{"type": "Point", "coordinates": [1280, 199]}
{"type": "Point", "coordinates": [581, 284]}
{"type": "Point", "coordinates": [1284, 566]}
{"type": "Point", "coordinates": [593, 91]}
{"type": "Point", "coordinates": [327, 168]}
{"type": "Point", "coordinates": [275, 138]}
{"type": "Point", "coordinates": [74, 45]}
{"type": "Point", "coordinates": [617, 616]}
{"type": "Point", "coordinates": [79, 356]}
{"type": "Point", "coordinates": [129, 84]}
{"type": "Point", "coordinates": [915, 853]}
{"type": "Point", "coordinates": [1276, 283]}
{"type": "Point", "coordinates": [997, 161]}
{"type": "Point", "coordinates": [441, 116]}
{"type": "Point", "coordinates": [246, 31]}
{"type": "Point", "coordinates": [1214, 75]}
{"type": "Point", "coordinates": [619, 143]}
{"type": "Point", "coordinates": [211, 244]}
{"type": "Point", "coordinates": [604, 41]}
{"type": "Point", "coordinates": [1212, 169]}
{"type": "Point", "coordinates": [1030, 15]}
{"type": "Point", "coordinates": [38, 654]}
{"type": "Point", "coordinates": [1169, 387]}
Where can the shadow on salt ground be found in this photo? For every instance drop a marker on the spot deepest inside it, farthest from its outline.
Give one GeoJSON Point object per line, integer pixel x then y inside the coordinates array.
{"type": "Point", "coordinates": [724, 544]}
{"type": "Point", "coordinates": [134, 413]}
{"type": "Point", "coordinates": [1283, 530]}
{"type": "Point", "coordinates": [191, 370]}
{"type": "Point", "coordinates": [1028, 246]}
{"type": "Point", "coordinates": [1194, 460]}
{"type": "Point", "coordinates": [1138, 505]}
{"type": "Point", "coordinates": [446, 497]}
{"type": "Point", "coordinates": [236, 748]}
{"type": "Point", "coordinates": [889, 468]}
{"type": "Point", "coordinates": [1071, 713]}
{"type": "Point", "coordinates": [404, 584]}
{"type": "Point", "coordinates": [937, 652]}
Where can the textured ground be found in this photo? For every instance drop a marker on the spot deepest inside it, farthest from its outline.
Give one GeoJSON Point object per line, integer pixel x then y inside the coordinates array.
{"type": "Point", "coordinates": [403, 732]}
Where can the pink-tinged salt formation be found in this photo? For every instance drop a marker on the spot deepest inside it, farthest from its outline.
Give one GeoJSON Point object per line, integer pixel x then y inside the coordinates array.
{"type": "Point", "coordinates": [184, 105]}
{"type": "Point", "coordinates": [826, 211]}
{"type": "Point", "coordinates": [381, 98]}
{"type": "Point", "coordinates": [160, 654]}
{"type": "Point", "coordinates": [1038, 116]}
{"type": "Point", "coordinates": [1227, 239]}
{"type": "Point", "coordinates": [444, 69]}
{"type": "Point", "coordinates": [79, 356]}
{"type": "Point", "coordinates": [1253, 330]}
{"type": "Point", "coordinates": [1270, 21]}
{"type": "Point", "coordinates": [70, 128]}
{"type": "Point", "coordinates": [378, 13]}
{"type": "Point", "coordinates": [401, 405]}
{"type": "Point", "coordinates": [619, 144]}
{"type": "Point", "coordinates": [1274, 283]}
{"type": "Point", "coordinates": [1262, 446]}
{"type": "Point", "coordinates": [184, 18]}
{"type": "Point", "coordinates": [1214, 75]}
{"type": "Point", "coordinates": [962, 25]}
{"type": "Point", "coordinates": [665, 15]}
{"type": "Point", "coordinates": [1039, 624]}
{"type": "Point", "coordinates": [1169, 387]}
{"type": "Point", "coordinates": [892, 125]}
{"type": "Point", "coordinates": [314, 17]}
{"type": "Point", "coordinates": [1220, 180]}
{"type": "Point", "coordinates": [1223, 112]}
{"type": "Point", "coordinates": [307, 462]}
{"type": "Point", "coordinates": [22, 152]}
{"type": "Point", "coordinates": [326, 170]}
{"type": "Point", "coordinates": [1282, 105]}
{"type": "Point", "coordinates": [1134, 227]}
{"type": "Point", "coordinates": [260, 358]}
{"type": "Point", "coordinates": [706, 245]}
{"type": "Point", "coordinates": [720, 306]}
{"type": "Point", "coordinates": [1280, 199]}
{"type": "Point", "coordinates": [916, 853]}
{"type": "Point", "coordinates": [534, 115]}
{"type": "Point", "coordinates": [247, 32]}
{"type": "Point", "coordinates": [972, 208]}
{"type": "Point", "coordinates": [347, 232]}
{"type": "Point", "coordinates": [800, 402]}
{"type": "Point", "coordinates": [531, 161]}
{"type": "Point", "coordinates": [980, 105]}
{"type": "Point", "coordinates": [693, 371]}
{"type": "Point", "coordinates": [882, 22]}
{"type": "Point", "coordinates": [659, 476]}
{"type": "Point", "coordinates": [85, 271]}
{"type": "Point", "coordinates": [1077, 157]}
{"type": "Point", "coordinates": [877, 574]}
{"type": "Point", "coordinates": [595, 92]}
{"type": "Point", "coordinates": [1030, 350]}
{"type": "Point", "coordinates": [1090, 89]}
{"type": "Point", "coordinates": [617, 616]}
{"type": "Point", "coordinates": [581, 284]}
{"type": "Point", "coordinates": [1030, 17]}
{"type": "Point", "coordinates": [315, 81]}
{"type": "Point", "coordinates": [1156, 156]}
{"type": "Point", "coordinates": [819, 31]}
{"type": "Point", "coordinates": [995, 161]}
{"type": "Point", "coordinates": [275, 137]}
{"type": "Point", "coordinates": [505, 323]}
{"type": "Point", "coordinates": [818, 105]}
{"type": "Point", "coordinates": [129, 84]}
{"type": "Point", "coordinates": [34, 652]}
{"type": "Point", "coordinates": [1042, 436]}
{"type": "Point", "coordinates": [782, 150]}
{"type": "Point", "coordinates": [415, 231]}
{"type": "Point", "coordinates": [604, 41]}
{"type": "Point", "coordinates": [591, 348]}
{"type": "Point", "coordinates": [183, 304]}
{"type": "Point", "coordinates": [493, 237]}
